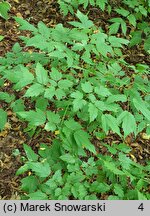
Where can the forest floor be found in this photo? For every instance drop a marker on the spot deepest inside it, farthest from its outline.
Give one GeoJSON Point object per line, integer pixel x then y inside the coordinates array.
{"type": "Point", "coordinates": [13, 136]}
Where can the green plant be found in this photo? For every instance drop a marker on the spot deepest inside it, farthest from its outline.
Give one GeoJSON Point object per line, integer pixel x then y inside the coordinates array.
{"type": "Point", "coordinates": [79, 88]}
{"type": "Point", "coordinates": [56, 175]}
{"type": "Point", "coordinates": [4, 9]}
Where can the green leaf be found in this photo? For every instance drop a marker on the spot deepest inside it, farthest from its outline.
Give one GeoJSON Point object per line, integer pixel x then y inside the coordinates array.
{"type": "Point", "coordinates": [113, 197]}
{"type": "Point", "coordinates": [6, 97]}
{"type": "Point", "coordinates": [118, 190]}
{"type": "Point", "coordinates": [98, 187]}
{"type": "Point", "coordinates": [136, 38]}
{"type": "Point", "coordinates": [1, 37]}
{"type": "Point", "coordinates": [82, 139]}
{"type": "Point", "coordinates": [122, 11]}
{"type": "Point", "coordinates": [65, 84]}
{"type": "Point", "coordinates": [77, 95]}
{"type": "Point", "coordinates": [78, 104]}
{"type": "Point", "coordinates": [3, 119]}
{"type": "Point", "coordinates": [147, 44]}
{"type": "Point", "coordinates": [93, 111]}
{"type": "Point", "coordinates": [41, 169]}
{"type": "Point", "coordinates": [85, 23]}
{"type": "Point", "coordinates": [141, 196]}
{"type": "Point", "coordinates": [55, 74]}
{"type": "Point", "coordinates": [116, 98]}
{"type": "Point", "coordinates": [132, 20]}
{"type": "Point", "coordinates": [87, 87]}
{"type": "Point", "coordinates": [22, 169]}
{"type": "Point", "coordinates": [68, 158]}
{"type": "Point", "coordinates": [102, 91]}
{"type": "Point", "coordinates": [112, 167]}
{"type": "Point", "coordinates": [24, 25]}
{"type": "Point", "coordinates": [124, 161]}
{"type": "Point", "coordinates": [21, 76]}
{"type": "Point", "coordinates": [30, 153]}
{"type": "Point", "coordinates": [34, 90]}
{"type": "Point", "coordinates": [128, 123]}
{"type": "Point", "coordinates": [29, 184]}
{"type": "Point", "coordinates": [49, 92]}
{"type": "Point", "coordinates": [117, 42]}
{"type": "Point", "coordinates": [38, 195]}
{"type": "Point", "coordinates": [140, 106]}
{"type": "Point", "coordinates": [72, 124]}
{"type": "Point", "coordinates": [53, 121]}
{"type": "Point", "coordinates": [111, 122]}
{"type": "Point", "coordinates": [41, 74]}
{"type": "Point", "coordinates": [35, 118]}
{"type": "Point", "coordinates": [38, 41]}
{"type": "Point", "coordinates": [113, 28]}
{"type": "Point", "coordinates": [4, 8]}
{"type": "Point", "coordinates": [44, 30]}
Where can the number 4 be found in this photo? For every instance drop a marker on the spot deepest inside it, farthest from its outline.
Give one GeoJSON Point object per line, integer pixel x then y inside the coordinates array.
{"type": "Point", "coordinates": [141, 207]}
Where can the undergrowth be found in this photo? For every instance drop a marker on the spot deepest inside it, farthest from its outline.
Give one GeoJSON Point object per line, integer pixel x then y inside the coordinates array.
{"type": "Point", "coordinates": [81, 89]}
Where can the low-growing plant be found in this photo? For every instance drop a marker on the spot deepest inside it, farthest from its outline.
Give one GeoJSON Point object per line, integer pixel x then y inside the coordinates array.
{"type": "Point", "coordinates": [79, 88]}
{"type": "Point", "coordinates": [57, 175]}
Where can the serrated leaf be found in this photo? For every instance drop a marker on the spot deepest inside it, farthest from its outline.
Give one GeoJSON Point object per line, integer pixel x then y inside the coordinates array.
{"type": "Point", "coordinates": [82, 140]}
{"type": "Point", "coordinates": [55, 74]}
{"type": "Point", "coordinates": [93, 111]}
{"type": "Point", "coordinates": [99, 187]}
{"type": "Point", "coordinates": [34, 90]}
{"type": "Point", "coordinates": [85, 22]}
{"type": "Point", "coordinates": [38, 41]}
{"type": "Point", "coordinates": [118, 190]}
{"type": "Point", "coordinates": [147, 44]}
{"type": "Point", "coordinates": [44, 30]}
{"type": "Point", "coordinates": [38, 195]}
{"type": "Point", "coordinates": [49, 92]}
{"type": "Point", "coordinates": [41, 169]}
{"type": "Point", "coordinates": [22, 169]}
{"type": "Point", "coordinates": [129, 124]}
{"type": "Point", "coordinates": [68, 158]}
{"type": "Point", "coordinates": [102, 91]}
{"type": "Point", "coordinates": [113, 28]}
{"type": "Point", "coordinates": [41, 74]}
{"type": "Point", "coordinates": [87, 87]}
{"type": "Point", "coordinates": [60, 93]}
{"type": "Point", "coordinates": [35, 118]}
{"type": "Point", "coordinates": [53, 120]}
{"type": "Point", "coordinates": [78, 104]}
{"type": "Point", "coordinates": [112, 167]}
{"type": "Point", "coordinates": [29, 184]}
{"type": "Point", "coordinates": [3, 119]}
{"type": "Point", "coordinates": [122, 11]}
{"type": "Point", "coordinates": [136, 38]}
{"type": "Point", "coordinates": [140, 106]}
{"type": "Point", "coordinates": [24, 25]}
{"type": "Point", "coordinates": [6, 97]}
{"type": "Point", "coordinates": [132, 20]}
{"type": "Point", "coordinates": [117, 42]}
{"type": "Point", "coordinates": [124, 161]}
{"type": "Point", "coordinates": [72, 124]}
{"type": "Point", "coordinates": [30, 153]}
{"type": "Point", "coordinates": [65, 84]}
{"type": "Point", "coordinates": [111, 122]}
{"type": "Point", "coordinates": [141, 196]}
{"type": "Point", "coordinates": [115, 98]}
{"type": "Point", "coordinates": [77, 95]}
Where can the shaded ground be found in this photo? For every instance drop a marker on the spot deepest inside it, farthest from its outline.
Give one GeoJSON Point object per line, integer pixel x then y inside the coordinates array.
{"type": "Point", "coordinates": [13, 137]}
